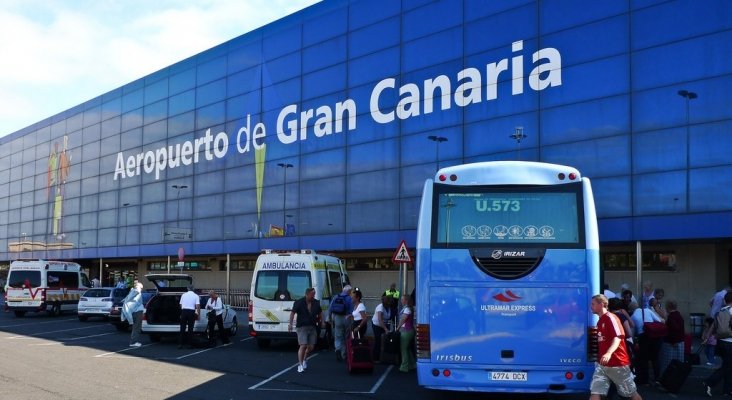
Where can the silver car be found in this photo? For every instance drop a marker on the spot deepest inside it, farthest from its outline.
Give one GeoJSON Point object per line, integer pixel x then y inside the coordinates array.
{"type": "Point", "coordinates": [162, 311]}
{"type": "Point", "coordinates": [98, 302]}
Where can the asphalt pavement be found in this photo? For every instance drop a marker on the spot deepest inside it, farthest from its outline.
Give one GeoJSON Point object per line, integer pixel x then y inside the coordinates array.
{"type": "Point", "coordinates": [62, 358]}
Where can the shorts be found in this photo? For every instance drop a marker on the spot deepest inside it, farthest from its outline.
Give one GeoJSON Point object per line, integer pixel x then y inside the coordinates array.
{"type": "Point", "coordinates": [621, 376]}
{"type": "Point", "coordinates": [306, 335]}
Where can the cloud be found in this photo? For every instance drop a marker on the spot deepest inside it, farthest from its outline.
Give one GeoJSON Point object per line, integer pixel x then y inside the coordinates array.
{"type": "Point", "coordinates": [59, 54]}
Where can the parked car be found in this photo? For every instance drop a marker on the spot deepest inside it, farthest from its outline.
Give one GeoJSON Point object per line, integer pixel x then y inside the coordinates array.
{"type": "Point", "coordinates": [98, 302]}
{"type": "Point", "coordinates": [162, 311]}
{"type": "Point", "coordinates": [115, 316]}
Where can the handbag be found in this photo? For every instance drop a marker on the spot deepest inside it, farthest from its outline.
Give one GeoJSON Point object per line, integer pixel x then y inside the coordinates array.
{"type": "Point", "coordinates": [654, 329]}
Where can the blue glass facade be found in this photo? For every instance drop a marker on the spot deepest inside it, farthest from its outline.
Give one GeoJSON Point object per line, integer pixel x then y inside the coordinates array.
{"type": "Point", "coordinates": [347, 92]}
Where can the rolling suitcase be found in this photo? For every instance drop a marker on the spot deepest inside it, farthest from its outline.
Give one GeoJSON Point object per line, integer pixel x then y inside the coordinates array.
{"type": "Point", "coordinates": [675, 375]}
{"type": "Point", "coordinates": [358, 354]}
{"type": "Point", "coordinates": [390, 350]}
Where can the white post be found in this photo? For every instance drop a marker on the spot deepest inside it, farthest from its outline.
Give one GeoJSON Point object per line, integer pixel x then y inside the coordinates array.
{"type": "Point", "coordinates": [228, 278]}
{"type": "Point", "coordinates": [100, 272]}
{"type": "Point", "coordinates": [168, 264]}
{"type": "Point", "coordinates": [403, 287]}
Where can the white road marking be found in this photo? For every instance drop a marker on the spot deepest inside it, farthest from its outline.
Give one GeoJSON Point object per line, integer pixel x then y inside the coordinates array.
{"type": "Point", "coordinates": [278, 374]}
{"type": "Point", "coordinates": [123, 350]}
{"type": "Point", "coordinates": [62, 341]}
{"type": "Point", "coordinates": [43, 333]}
{"type": "Point", "coordinates": [381, 380]}
{"type": "Point", "coordinates": [202, 351]}
{"type": "Point", "coordinates": [373, 390]}
{"type": "Point", "coordinates": [37, 323]}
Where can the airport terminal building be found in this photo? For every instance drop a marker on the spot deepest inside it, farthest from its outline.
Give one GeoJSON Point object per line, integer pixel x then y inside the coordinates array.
{"type": "Point", "coordinates": [319, 130]}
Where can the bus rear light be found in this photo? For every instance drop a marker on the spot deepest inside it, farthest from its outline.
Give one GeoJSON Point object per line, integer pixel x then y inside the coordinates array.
{"type": "Point", "coordinates": [560, 176]}
{"type": "Point", "coordinates": [580, 376]}
{"type": "Point", "coordinates": [568, 375]}
{"type": "Point", "coordinates": [435, 372]}
{"type": "Point", "coordinates": [442, 178]}
{"type": "Point", "coordinates": [446, 373]}
{"type": "Point", "coordinates": [423, 341]}
{"type": "Point", "coordinates": [250, 311]}
{"type": "Point", "coordinates": [592, 346]}
{"type": "Point", "coordinates": [572, 176]}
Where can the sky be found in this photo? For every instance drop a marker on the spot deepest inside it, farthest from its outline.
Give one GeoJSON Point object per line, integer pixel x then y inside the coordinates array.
{"type": "Point", "coordinates": [56, 54]}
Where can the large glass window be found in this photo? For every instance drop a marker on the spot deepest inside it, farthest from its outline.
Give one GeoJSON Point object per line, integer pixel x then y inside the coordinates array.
{"type": "Point", "coordinates": [281, 285]}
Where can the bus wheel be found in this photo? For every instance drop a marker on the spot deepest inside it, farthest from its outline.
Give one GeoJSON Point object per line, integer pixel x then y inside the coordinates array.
{"type": "Point", "coordinates": [263, 343]}
{"type": "Point", "coordinates": [55, 310]}
{"type": "Point", "coordinates": [20, 314]}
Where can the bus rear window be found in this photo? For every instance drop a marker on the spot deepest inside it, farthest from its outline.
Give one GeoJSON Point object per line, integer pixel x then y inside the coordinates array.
{"type": "Point", "coordinates": [20, 279]}
{"type": "Point", "coordinates": [282, 285]}
{"type": "Point", "coordinates": [493, 216]}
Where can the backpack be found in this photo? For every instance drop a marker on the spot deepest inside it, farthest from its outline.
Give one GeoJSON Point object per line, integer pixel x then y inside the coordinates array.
{"type": "Point", "coordinates": [723, 324]}
{"type": "Point", "coordinates": [338, 306]}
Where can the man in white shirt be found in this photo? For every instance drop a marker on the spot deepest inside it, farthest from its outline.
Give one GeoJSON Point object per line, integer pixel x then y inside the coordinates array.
{"type": "Point", "coordinates": [190, 307]}
{"type": "Point", "coordinates": [607, 292]}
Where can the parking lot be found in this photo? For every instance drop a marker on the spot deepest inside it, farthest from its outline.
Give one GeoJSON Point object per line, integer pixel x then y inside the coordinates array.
{"type": "Point", "coordinates": [61, 358]}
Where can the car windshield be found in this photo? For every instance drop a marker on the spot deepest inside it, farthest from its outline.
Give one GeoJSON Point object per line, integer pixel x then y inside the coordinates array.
{"type": "Point", "coordinates": [20, 279]}
{"type": "Point", "coordinates": [282, 285]}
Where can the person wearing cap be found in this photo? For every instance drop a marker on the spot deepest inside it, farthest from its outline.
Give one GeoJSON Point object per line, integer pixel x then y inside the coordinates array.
{"type": "Point", "coordinates": [190, 306]}
{"type": "Point", "coordinates": [340, 308]}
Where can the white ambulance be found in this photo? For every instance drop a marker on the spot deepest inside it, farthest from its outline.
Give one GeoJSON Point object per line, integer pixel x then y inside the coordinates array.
{"type": "Point", "coordinates": [280, 278]}
{"type": "Point", "coordinates": [41, 285]}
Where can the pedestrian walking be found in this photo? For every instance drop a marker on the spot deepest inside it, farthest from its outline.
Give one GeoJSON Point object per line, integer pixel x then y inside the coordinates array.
{"type": "Point", "coordinates": [309, 315]}
{"type": "Point", "coordinates": [613, 365]}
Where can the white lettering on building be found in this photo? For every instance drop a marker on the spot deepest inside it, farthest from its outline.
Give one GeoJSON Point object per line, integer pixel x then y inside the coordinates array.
{"type": "Point", "coordinates": [471, 86]}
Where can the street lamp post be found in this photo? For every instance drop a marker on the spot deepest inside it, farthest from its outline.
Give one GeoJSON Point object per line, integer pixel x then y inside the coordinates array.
{"type": "Point", "coordinates": [688, 96]}
{"type": "Point", "coordinates": [437, 140]}
{"type": "Point", "coordinates": [284, 195]}
{"type": "Point", "coordinates": [518, 135]}
{"type": "Point", "coordinates": [177, 203]}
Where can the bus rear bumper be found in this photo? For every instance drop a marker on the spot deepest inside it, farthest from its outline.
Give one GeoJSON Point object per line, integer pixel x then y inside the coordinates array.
{"type": "Point", "coordinates": [568, 379]}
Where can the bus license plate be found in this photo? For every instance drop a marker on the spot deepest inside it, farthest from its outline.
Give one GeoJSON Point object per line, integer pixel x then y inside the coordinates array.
{"type": "Point", "coordinates": [509, 376]}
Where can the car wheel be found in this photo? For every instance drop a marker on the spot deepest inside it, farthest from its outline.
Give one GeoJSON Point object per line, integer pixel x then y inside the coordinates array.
{"type": "Point", "coordinates": [20, 314]}
{"type": "Point", "coordinates": [55, 310]}
{"type": "Point", "coordinates": [234, 327]}
{"type": "Point", "coordinates": [154, 338]}
{"type": "Point", "coordinates": [83, 318]}
{"type": "Point", "coordinates": [263, 343]}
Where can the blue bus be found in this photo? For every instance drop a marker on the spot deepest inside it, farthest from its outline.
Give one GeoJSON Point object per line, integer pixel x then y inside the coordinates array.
{"type": "Point", "coordinates": [507, 262]}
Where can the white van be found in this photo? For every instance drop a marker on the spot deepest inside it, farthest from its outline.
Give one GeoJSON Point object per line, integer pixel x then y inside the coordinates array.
{"type": "Point", "coordinates": [41, 285]}
{"type": "Point", "coordinates": [279, 279]}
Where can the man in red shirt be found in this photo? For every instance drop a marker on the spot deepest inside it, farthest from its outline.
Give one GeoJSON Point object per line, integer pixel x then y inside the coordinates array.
{"type": "Point", "coordinates": [613, 365]}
